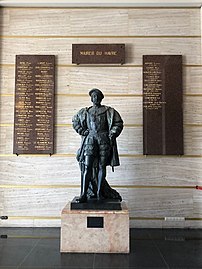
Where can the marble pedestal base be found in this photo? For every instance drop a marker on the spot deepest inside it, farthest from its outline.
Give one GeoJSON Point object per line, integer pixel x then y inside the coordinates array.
{"type": "Point", "coordinates": [95, 231]}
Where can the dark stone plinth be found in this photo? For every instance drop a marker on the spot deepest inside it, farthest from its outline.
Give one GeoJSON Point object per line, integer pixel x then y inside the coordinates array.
{"type": "Point", "coordinates": [94, 204]}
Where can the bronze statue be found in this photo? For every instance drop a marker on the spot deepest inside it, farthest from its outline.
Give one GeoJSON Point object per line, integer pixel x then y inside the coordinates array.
{"type": "Point", "coordinates": [99, 126]}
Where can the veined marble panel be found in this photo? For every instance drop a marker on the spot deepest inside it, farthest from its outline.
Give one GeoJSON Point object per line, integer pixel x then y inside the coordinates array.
{"type": "Point", "coordinates": [101, 21]}
{"type": "Point", "coordinates": [197, 197]}
{"type": "Point", "coordinates": [42, 202]}
{"type": "Point", "coordinates": [146, 171]}
{"type": "Point", "coordinates": [6, 139]}
{"type": "Point", "coordinates": [190, 48]}
{"type": "Point", "coordinates": [47, 223]}
{"type": "Point", "coordinates": [192, 140]}
{"type": "Point", "coordinates": [67, 22]}
{"type": "Point", "coordinates": [170, 171]}
{"type": "Point", "coordinates": [18, 223]}
{"type": "Point", "coordinates": [192, 79]}
{"type": "Point", "coordinates": [112, 80]}
{"type": "Point", "coordinates": [42, 21]}
{"type": "Point", "coordinates": [146, 224]}
{"type": "Point", "coordinates": [164, 22]}
{"type": "Point", "coordinates": [193, 224]}
{"type": "Point", "coordinates": [192, 109]}
{"type": "Point", "coordinates": [180, 224]}
{"type": "Point", "coordinates": [31, 223]}
{"type": "Point", "coordinates": [160, 202]}
{"type": "Point", "coordinates": [4, 21]}
{"type": "Point", "coordinates": [7, 109]}
{"type": "Point", "coordinates": [36, 170]}
{"type": "Point", "coordinates": [1, 202]}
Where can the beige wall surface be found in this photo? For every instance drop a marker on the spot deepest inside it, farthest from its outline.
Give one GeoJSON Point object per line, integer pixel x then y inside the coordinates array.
{"type": "Point", "coordinates": [35, 188]}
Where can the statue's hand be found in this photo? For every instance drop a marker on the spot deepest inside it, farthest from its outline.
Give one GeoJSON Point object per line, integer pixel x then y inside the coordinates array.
{"type": "Point", "coordinates": [86, 132]}
{"type": "Point", "coordinates": [111, 135]}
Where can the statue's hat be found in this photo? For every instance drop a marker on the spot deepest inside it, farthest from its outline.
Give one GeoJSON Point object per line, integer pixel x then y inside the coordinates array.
{"type": "Point", "coordinates": [96, 91]}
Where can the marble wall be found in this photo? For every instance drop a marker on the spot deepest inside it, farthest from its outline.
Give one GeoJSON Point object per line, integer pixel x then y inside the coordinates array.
{"type": "Point", "coordinates": [35, 188]}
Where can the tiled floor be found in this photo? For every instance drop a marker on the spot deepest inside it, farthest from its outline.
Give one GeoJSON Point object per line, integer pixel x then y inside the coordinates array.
{"type": "Point", "coordinates": [38, 248]}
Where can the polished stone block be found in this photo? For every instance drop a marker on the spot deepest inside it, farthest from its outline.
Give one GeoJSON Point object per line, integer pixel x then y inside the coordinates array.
{"type": "Point", "coordinates": [95, 231]}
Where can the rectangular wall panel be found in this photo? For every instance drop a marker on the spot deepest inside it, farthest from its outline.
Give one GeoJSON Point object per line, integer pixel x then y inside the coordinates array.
{"type": "Point", "coordinates": [122, 22]}
{"type": "Point", "coordinates": [162, 105]}
{"type": "Point", "coordinates": [34, 104]}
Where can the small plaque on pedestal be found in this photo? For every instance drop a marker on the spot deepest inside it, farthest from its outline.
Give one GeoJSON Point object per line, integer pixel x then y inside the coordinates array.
{"type": "Point", "coordinates": [94, 204]}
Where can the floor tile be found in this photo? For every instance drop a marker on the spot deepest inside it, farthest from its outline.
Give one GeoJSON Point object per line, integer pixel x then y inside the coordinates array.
{"type": "Point", "coordinates": [79, 260]}
{"type": "Point", "coordinates": [47, 254]}
{"type": "Point", "coordinates": [111, 261]}
{"type": "Point", "coordinates": [145, 254]}
{"type": "Point", "coordinates": [181, 254]}
{"type": "Point", "coordinates": [8, 267]}
{"type": "Point", "coordinates": [13, 251]}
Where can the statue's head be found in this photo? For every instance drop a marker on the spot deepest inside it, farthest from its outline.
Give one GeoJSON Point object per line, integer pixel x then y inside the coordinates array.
{"type": "Point", "coordinates": [96, 96]}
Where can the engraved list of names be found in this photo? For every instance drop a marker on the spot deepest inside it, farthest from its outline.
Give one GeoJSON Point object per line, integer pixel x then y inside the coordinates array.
{"type": "Point", "coordinates": [162, 104]}
{"type": "Point", "coordinates": [34, 104]}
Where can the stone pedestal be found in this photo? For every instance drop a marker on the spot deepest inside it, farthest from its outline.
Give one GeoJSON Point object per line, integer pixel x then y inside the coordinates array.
{"type": "Point", "coordinates": [96, 231]}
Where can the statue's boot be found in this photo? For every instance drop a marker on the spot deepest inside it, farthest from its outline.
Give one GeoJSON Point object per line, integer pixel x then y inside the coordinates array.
{"type": "Point", "coordinates": [84, 188]}
{"type": "Point", "coordinates": [100, 197]}
{"type": "Point", "coordinates": [82, 199]}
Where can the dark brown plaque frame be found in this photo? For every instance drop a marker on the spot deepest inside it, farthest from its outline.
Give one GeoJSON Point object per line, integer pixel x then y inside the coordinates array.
{"type": "Point", "coordinates": [34, 104]}
{"type": "Point", "coordinates": [162, 105]}
{"type": "Point", "coordinates": [98, 53]}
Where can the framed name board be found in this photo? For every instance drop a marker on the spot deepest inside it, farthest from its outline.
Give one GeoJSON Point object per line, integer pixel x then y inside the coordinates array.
{"type": "Point", "coordinates": [34, 104]}
{"type": "Point", "coordinates": [162, 105]}
{"type": "Point", "coordinates": [98, 53]}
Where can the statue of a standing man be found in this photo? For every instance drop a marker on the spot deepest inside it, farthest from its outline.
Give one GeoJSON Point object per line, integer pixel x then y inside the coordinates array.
{"type": "Point", "coordinates": [99, 126]}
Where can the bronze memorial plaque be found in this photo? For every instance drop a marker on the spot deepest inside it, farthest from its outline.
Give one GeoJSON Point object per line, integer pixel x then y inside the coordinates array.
{"type": "Point", "coordinates": [98, 53]}
{"type": "Point", "coordinates": [162, 105]}
{"type": "Point", "coordinates": [34, 104]}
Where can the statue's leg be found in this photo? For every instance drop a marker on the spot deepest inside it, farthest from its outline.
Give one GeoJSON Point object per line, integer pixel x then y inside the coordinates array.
{"type": "Point", "coordinates": [104, 153]}
{"type": "Point", "coordinates": [101, 177]}
{"type": "Point", "coordinates": [86, 178]}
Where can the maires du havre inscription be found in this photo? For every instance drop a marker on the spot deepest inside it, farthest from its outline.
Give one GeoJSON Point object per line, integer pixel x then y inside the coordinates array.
{"type": "Point", "coordinates": [162, 105]}
{"type": "Point", "coordinates": [34, 104]}
{"type": "Point", "coordinates": [98, 53]}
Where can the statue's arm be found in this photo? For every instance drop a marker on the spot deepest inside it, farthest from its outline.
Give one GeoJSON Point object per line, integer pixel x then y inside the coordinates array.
{"type": "Point", "coordinates": [77, 124]}
{"type": "Point", "coordinates": [117, 124]}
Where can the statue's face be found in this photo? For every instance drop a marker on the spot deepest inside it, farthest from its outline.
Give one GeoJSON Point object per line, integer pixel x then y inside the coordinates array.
{"type": "Point", "coordinates": [96, 98]}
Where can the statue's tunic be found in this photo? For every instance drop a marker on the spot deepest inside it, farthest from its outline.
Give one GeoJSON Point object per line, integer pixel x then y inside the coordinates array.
{"type": "Point", "coordinates": [97, 142]}
{"type": "Point", "coordinates": [95, 124]}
